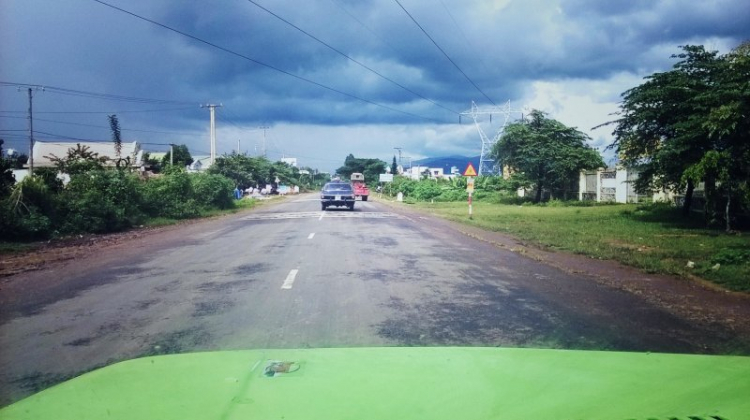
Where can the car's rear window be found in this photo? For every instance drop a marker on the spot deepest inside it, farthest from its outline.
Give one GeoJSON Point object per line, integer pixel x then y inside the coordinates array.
{"type": "Point", "coordinates": [337, 187]}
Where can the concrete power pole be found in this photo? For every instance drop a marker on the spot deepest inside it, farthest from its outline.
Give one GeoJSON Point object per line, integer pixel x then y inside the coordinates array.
{"type": "Point", "coordinates": [212, 110]}
{"type": "Point", "coordinates": [30, 90]}
{"type": "Point", "coordinates": [31, 136]}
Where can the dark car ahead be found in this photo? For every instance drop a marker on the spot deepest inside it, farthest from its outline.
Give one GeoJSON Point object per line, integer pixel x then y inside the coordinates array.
{"type": "Point", "coordinates": [337, 194]}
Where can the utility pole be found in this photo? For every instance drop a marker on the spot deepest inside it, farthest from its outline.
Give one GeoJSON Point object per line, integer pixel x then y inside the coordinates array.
{"type": "Point", "coordinates": [30, 90]}
{"type": "Point", "coordinates": [31, 136]}
{"type": "Point", "coordinates": [399, 154]}
{"type": "Point", "coordinates": [212, 110]}
{"type": "Point", "coordinates": [238, 146]}
{"type": "Point", "coordinates": [171, 154]}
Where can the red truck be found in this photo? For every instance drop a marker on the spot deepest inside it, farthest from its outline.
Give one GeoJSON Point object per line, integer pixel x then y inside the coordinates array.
{"type": "Point", "coordinates": [360, 188]}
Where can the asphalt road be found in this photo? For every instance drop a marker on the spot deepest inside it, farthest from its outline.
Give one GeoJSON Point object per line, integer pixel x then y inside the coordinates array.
{"type": "Point", "coordinates": [291, 276]}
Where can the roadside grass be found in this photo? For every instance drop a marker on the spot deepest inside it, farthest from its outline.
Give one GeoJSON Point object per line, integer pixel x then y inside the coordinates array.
{"type": "Point", "coordinates": [7, 248]}
{"type": "Point", "coordinates": [653, 237]}
{"type": "Point", "coordinates": [160, 221]}
{"type": "Point", "coordinates": [239, 205]}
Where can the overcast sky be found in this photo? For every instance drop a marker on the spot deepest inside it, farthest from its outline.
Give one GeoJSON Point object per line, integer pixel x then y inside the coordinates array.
{"type": "Point", "coordinates": [570, 58]}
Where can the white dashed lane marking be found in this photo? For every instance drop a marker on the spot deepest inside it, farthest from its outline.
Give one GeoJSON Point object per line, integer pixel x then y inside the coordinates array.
{"type": "Point", "coordinates": [311, 236]}
{"type": "Point", "coordinates": [289, 281]}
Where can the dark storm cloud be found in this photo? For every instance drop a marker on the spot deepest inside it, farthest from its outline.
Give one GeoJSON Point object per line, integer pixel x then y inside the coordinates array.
{"type": "Point", "coordinates": [509, 49]}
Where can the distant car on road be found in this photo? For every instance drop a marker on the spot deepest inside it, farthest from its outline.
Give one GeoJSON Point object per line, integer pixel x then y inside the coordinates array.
{"type": "Point", "coordinates": [337, 194]}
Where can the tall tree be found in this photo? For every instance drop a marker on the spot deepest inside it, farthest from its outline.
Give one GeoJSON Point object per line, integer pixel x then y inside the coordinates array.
{"type": "Point", "coordinates": [182, 156]}
{"type": "Point", "coordinates": [370, 168]}
{"type": "Point", "coordinates": [251, 171]}
{"type": "Point", "coordinates": [114, 126]}
{"type": "Point", "coordinates": [660, 125]}
{"type": "Point", "coordinates": [545, 152]}
{"type": "Point", "coordinates": [724, 166]}
{"type": "Point", "coordinates": [394, 166]}
{"type": "Point", "coordinates": [689, 125]}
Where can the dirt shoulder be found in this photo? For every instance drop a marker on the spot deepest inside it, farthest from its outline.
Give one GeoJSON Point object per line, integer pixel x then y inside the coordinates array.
{"type": "Point", "coordinates": [43, 254]}
{"type": "Point", "coordinates": [688, 298]}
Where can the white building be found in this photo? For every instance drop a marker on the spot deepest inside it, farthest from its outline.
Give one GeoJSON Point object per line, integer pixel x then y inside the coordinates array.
{"type": "Point", "coordinates": [415, 172]}
{"type": "Point", "coordinates": [290, 161]}
{"type": "Point", "coordinates": [200, 163]}
{"type": "Point", "coordinates": [609, 184]}
{"type": "Point", "coordinates": [418, 172]}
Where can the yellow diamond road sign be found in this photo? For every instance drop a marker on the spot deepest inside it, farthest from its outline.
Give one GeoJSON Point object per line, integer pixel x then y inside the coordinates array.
{"type": "Point", "coordinates": [470, 171]}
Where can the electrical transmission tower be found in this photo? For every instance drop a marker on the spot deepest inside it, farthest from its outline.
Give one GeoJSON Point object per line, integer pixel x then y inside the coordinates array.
{"type": "Point", "coordinates": [487, 165]}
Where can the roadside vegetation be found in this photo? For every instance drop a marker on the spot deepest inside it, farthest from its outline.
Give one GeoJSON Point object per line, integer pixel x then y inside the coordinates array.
{"type": "Point", "coordinates": [653, 237]}
{"type": "Point", "coordinates": [100, 198]}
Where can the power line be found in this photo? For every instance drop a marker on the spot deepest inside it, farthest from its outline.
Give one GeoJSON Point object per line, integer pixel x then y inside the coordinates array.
{"type": "Point", "coordinates": [227, 120]}
{"type": "Point", "coordinates": [108, 128]}
{"type": "Point", "coordinates": [359, 63]}
{"type": "Point", "coordinates": [102, 112]}
{"type": "Point", "coordinates": [442, 51]}
{"type": "Point", "coordinates": [88, 140]}
{"type": "Point", "coordinates": [351, 15]}
{"type": "Point", "coordinates": [463, 34]}
{"type": "Point", "coordinates": [106, 96]}
{"type": "Point", "coordinates": [69, 137]}
{"type": "Point", "coordinates": [226, 50]}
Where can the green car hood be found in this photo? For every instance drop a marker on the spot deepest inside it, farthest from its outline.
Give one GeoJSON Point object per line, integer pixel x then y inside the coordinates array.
{"type": "Point", "coordinates": [403, 383]}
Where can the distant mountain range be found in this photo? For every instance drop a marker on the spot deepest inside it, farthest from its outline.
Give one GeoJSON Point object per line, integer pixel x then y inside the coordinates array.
{"type": "Point", "coordinates": [447, 162]}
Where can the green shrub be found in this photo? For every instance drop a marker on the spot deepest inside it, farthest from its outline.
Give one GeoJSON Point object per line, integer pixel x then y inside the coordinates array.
{"type": "Point", "coordinates": [214, 191]}
{"type": "Point", "coordinates": [106, 200]}
{"type": "Point", "coordinates": [513, 199]}
{"type": "Point", "coordinates": [170, 195]}
{"type": "Point", "coordinates": [21, 223]}
{"type": "Point", "coordinates": [481, 195]}
{"type": "Point", "coordinates": [452, 195]}
{"type": "Point", "coordinates": [101, 201]}
{"type": "Point", "coordinates": [28, 212]}
{"type": "Point", "coordinates": [556, 203]}
{"type": "Point", "coordinates": [731, 256]}
{"type": "Point", "coordinates": [427, 190]}
{"type": "Point", "coordinates": [49, 177]}
{"type": "Point", "coordinates": [403, 185]}
{"type": "Point", "coordinates": [34, 193]}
